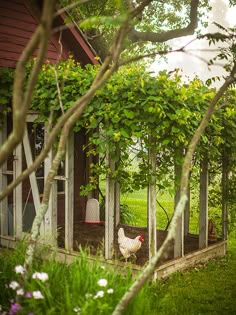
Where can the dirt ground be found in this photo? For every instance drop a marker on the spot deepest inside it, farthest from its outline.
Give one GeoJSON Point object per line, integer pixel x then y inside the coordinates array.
{"type": "Point", "coordinates": [92, 236]}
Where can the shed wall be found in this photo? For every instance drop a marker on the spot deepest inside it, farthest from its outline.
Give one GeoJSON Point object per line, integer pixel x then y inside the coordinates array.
{"type": "Point", "coordinates": [17, 25]}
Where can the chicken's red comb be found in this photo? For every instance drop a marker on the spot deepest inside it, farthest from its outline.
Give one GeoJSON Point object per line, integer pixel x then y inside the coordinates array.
{"type": "Point", "coordinates": [141, 238]}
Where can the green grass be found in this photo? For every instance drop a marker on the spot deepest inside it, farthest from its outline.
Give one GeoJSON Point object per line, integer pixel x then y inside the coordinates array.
{"type": "Point", "coordinates": [204, 289]}
{"type": "Point", "coordinates": [137, 203]}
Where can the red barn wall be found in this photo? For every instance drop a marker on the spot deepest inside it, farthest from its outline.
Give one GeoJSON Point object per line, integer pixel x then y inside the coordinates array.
{"type": "Point", "coordinates": [17, 25]}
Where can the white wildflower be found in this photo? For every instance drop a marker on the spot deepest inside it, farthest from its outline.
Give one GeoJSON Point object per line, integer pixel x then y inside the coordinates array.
{"type": "Point", "coordinates": [99, 294]}
{"type": "Point", "coordinates": [43, 276]}
{"type": "Point", "coordinates": [88, 295]}
{"type": "Point", "coordinates": [14, 285]}
{"type": "Point", "coordinates": [20, 292]}
{"type": "Point", "coordinates": [20, 269]}
{"type": "Point", "coordinates": [37, 295]}
{"type": "Point", "coordinates": [77, 309]}
{"type": "Point", "coordinates": [110, 291]}
{"type": "Point", "coordinates": [102, 282]}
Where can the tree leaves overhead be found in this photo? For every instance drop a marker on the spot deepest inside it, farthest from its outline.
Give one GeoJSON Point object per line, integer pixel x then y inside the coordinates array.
{"type": "Point", "coordinates": [103, 17]}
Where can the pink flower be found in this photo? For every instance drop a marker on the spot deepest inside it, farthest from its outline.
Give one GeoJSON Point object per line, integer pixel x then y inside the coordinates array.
{"type": "Point", "coordinates": [14, 309]}
{"type": "Point", "coordinates": [28, 295]}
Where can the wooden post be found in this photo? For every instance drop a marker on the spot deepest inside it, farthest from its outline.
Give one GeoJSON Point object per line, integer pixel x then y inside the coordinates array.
{"type": "Point", "coordinates": [3, 185]}
{"type": "Point", "coordinates": [17, 194]}
{"type": "Point", "coordinates": [152, 229]}
{"type": "Point", "coordinates": [50, 219]}
{"type": "Point", "coordinates": [69, 193]}
{"type": "Point", "coordinates": [187, 213]}
{"type": "Point", "coordinates": [109, 208]}
{"type": "Point", "coordinates": [179, 236]}
{"type": "Point", "coordinates": [224, 184]}
{"type": "Point", "coordinates": [117, 190]}
{"type": "Point", "coordinates": [203, 219]}
{"type": "Point", "coordinates": [117, 202]}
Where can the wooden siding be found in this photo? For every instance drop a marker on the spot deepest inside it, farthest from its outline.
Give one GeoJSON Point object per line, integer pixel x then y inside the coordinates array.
{"type": "Point", "coordinates": [17, 25]}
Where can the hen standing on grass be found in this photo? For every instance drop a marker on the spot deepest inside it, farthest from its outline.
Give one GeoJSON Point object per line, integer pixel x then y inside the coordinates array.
{"type": "Point", "coordinates": [128, 246]}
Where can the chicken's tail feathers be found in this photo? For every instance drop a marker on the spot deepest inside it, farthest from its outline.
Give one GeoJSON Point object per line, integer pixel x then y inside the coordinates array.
{"type": "Point", "coordinates": [121, 234]}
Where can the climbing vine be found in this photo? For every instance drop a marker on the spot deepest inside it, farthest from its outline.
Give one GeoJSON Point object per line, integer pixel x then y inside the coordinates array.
{"type": "Point", "coordinates": [129, 109]}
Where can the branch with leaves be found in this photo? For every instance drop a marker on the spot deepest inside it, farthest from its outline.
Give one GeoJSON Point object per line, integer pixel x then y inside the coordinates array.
{"type": "Point", "coordinates": [150, 268]}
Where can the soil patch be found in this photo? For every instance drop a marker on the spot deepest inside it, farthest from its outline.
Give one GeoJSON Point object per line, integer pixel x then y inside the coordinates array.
{"type": "Point", "coordinates": [92, 236]}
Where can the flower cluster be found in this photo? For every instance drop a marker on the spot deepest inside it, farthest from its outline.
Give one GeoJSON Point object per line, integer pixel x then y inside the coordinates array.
{"type": "Point", "coordinates": [20, 292]}
{"type": "Point", "coordinates": [102, 283]}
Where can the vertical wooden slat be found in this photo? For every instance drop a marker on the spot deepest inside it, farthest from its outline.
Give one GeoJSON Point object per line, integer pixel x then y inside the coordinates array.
{"type": "Point", "coordinates": [17, 193]}
{"type": "Point", "coordinates": [187, 213]}
{"type": "Point", "coordinates": [117, 202]}
{"type": "Point", "coordinates": [50, 220]}
{"type": "Point", "coordinates": [69, 193]}
{"type": "Point", "coordinates": [3, 185]}
{"type": "Point", "coordinates": [203, 216]}
{"type": "Point", "coordinates": [117, 190]}
{"type": "Point", "coordinates": [109, 208]}
{"type": "Point", "coordinates": [179, 236]}
{"type": "Point", "coordinates": [152, 206]}
{"type": "Point", "coordinates": [224, 184]}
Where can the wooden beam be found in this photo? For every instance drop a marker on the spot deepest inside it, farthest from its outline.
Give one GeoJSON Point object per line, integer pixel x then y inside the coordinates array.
{"type": "Point", "coordinates": [203, 215]}
{"type": "Point", "coordinates": [187, 213]}
{"type": "Point", "coordinates": [17, 193]}
{"type": "Point", "coordinates": [179, 236]}
{"type": "Point", "coordinates": [152, 235]}
{"type": "Point", "coordinates": [117, 189]}
{"type": "Point", "coordinates": [50, 219]}
{"type": "Point", "coordinates": [3, 185]}
{"type": "Point", "coordinates": [69, 193]}
{"type": "Point", "coordinates": [109, 208]}
{"type": "Point", "coordinates": [224, 202]}
{"type": "Point", "coordinates": [117, 202]}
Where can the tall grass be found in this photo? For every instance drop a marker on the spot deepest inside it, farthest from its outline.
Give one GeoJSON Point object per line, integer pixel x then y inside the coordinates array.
{"type": "Point", "coordinates": [73, 289]}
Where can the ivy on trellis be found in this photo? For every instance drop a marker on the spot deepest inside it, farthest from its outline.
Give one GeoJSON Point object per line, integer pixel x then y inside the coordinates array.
{"type": "Point", "coordinates": [129, 109]}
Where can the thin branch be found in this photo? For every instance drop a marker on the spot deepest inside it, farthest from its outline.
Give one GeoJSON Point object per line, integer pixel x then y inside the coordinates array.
{"type": "Point", "coordinates": [56, 74]}
{"type": "Point", "coordinates": [70, 6]}
{"type": "Point", "coordinates": [106, 70]}
{"type": "Point", "coordinates": [136, 36]}
{"type": "Point", "coordinates": [150, 268]}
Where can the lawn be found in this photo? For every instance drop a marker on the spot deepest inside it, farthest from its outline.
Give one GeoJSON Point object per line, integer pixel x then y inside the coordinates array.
{"type": "Point", "coordinates": [87, 289]}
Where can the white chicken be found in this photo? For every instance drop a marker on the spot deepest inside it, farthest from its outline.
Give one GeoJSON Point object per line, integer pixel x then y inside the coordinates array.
{"type": "Point", "coordinates": [129, 246]}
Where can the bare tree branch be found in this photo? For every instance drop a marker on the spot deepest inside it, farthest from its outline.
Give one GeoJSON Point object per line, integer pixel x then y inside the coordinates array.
{"type": "Point", "coordinates": [150, 268]}
{"type": "Point", "coordinates": [109, 66]}
{"type": "Point", "coordinates": [136, 36]}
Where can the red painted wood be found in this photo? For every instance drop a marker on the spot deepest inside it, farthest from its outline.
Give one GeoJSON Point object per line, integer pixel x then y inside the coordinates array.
{"type": "Point", "coordinates": [5, 12]}
{"type": "Point", "coordinates": [17, 7]}
{"type": "Point", "coordinates": [21, 25]}
{"type": "Point", "coordinates": [6, 42]}
{"type": "Point", "coordinates": [7, 63]}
